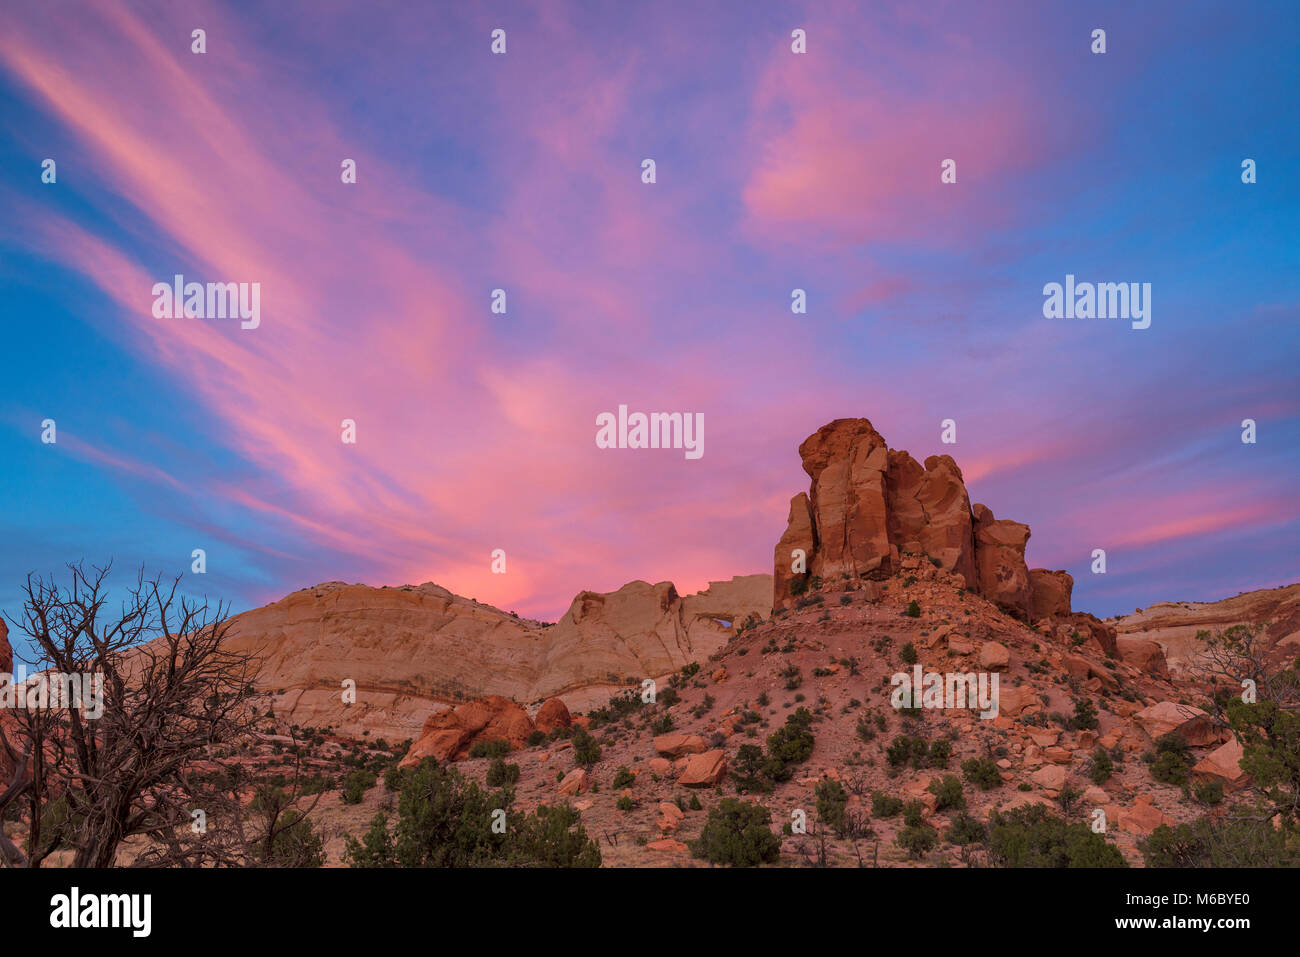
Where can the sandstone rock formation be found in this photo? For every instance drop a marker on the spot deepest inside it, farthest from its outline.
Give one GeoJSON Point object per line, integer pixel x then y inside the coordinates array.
{"type": "Point", "coordinates": [1174, 625]}
{"type": "Point", "coordinates": [1003, 576]}
{"type": "Point", "coordinates": [1049, 593]}
{"type": "Point", "coordinates": [1223, 764]}
{"type": "Point", "coordinates": [413, 648]}
{"type": "Point", "coordinates": [1166, 717]}
{"type": "Point", "coordinates": [450, 734]}
{"type": "Point", "coordinates": [869, 504]}
{"type": "Point", "coordinates": [551, 715]}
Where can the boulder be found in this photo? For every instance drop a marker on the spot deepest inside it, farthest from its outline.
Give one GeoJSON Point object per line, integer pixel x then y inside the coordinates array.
{"type": "Point", "coordinates": [551, 715]}
{"type": "Point", "coordinates": [1143, 817]}
{"type": "Point", "coordinates": [1193, 724]}
{"type": "Point", "coordinates": [575, 782]}
{"type": "Point", "coordinates": [1050, 777]}
{"type": "Point", "coordinates": [667, 845]}
{"type": "Point", "coordinates": [994, 656]}
{"type": "Point", "coordinates": [1223, 764]}
{"type": "Point", "coordinates": [1143, 654]}
{"type": "Point", "coordinates": [448, 735]}
{"type": "Point", "coordinates": [678, 745]}
{"type": "Point", "coordinates": [704, 770]}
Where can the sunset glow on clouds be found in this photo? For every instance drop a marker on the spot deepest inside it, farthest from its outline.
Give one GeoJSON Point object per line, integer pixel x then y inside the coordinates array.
{"type": "Point", "coordinates": [475, 431]}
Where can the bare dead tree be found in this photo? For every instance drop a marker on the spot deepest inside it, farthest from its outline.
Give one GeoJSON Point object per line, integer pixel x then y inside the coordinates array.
{"type": "Point", "coordinates": [171, 690]}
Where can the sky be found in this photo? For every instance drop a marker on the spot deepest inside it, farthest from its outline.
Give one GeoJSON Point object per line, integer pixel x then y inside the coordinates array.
{"type": "Point", "coordinates": [522, 171]}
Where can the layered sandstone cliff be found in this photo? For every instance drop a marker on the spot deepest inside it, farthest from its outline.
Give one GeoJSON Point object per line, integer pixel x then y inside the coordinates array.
{"type": "Point", "coordinates": [414, 648]}
{"type": "Point", "coordinates": [1173, 626]}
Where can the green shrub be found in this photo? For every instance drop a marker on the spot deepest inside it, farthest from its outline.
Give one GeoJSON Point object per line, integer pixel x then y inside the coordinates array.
{"type": "Point", "coordinates": [1218, 843]}
{"type": "Point", "coordinates": [586, 750]}
{"type": "Point", "coordinates": [1173, 759]}
{"type": "Point", "coordinates": [1209, 792]}
{"type": "Point", "coordinates": [832, 801]}
{"type": "Point", "coordinates": [737, 834]}
{"type": "Point", "coordinates": [502, 775]}
{"type": "Point", "coordinates": [1032, 836]}
{"type": "Point", "coordinates": [624, 779]}
{"type": "Point", "coordinates": [445, 820]}
{"type": "Point", "coordinates": [966, 830]}
{"type": "Point", "coordinates": [917, 839]}
{"type": "Point", "coordinates": [1101, 767]}
{"type": "Point", "coordinates": [1085, 715]}
{"type": "Point", "coordinates": [489, 749]}
{"type": "Point", "coordinates": [885, 805]}
{"type": "Point", "coordinates": [948, 790]}
{"type": "Point", "coordinates": [908, 651]}
{"type": "Point", "coordinates": [982, 772]}
{"type": "Point", "coordinates": [913, 609]}
{"type": "Point", "coordinates": [356, 784]}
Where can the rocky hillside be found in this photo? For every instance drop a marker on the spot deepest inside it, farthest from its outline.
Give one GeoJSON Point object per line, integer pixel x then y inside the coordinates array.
{"type": "Point", "coordinates": [898, 575]}
{"type": "Point", "coordinates": [415, 648]}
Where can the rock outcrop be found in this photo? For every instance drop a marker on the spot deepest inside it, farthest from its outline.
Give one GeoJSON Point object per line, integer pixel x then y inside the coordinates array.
{"type": "Point", "coordinates": [450, 734]}
{"type": "Point", "coordinates": [413, 649]}
{"type": "Point", "coordinates": [1174, 626]}
{"type": "Point", "coordinates": [869, 504]}
{"type": "Point", "coordinates": [1000, 562]}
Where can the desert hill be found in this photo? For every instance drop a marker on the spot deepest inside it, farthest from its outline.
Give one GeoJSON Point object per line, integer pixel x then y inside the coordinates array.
{"type": "Point", "coordinates": [1174, 625]}
{"type": "Point", "coordinates": [415, 648]}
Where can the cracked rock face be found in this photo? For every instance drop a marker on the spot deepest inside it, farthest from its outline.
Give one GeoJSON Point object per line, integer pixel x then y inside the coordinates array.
{"type": "Point", "coordinates": [869, 504]}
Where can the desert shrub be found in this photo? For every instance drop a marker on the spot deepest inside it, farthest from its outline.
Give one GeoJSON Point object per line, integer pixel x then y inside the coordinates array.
{"type": "Point", "coordinates": [832, 801]}
{"type": "Point", "coordinates": [624, 779]}
{"type": "Point", "coordinates": [1217, 843]}
{"type": "Point", "coordinates": [885, 805]}
{"type": "Point", "coordinates": [913, 609]}
{"type": "Point", "coordinates": [502, 775]}
{"type": "Point", "coordinates": [908, 652]}
{"type": "Point", "coordinates": [737, 834]}
{"type": "Point", "coordinates": [356, 784]}
{"type": "Point", "coordinates": [1101, 767]}
{"type": "Point", "coordinates": [1209, 792]}
{"type": "Point", "coordinates": [982, 772]}
{"type": "Point", "coordinates": [489, 749]}
{"type": "Point", "coordinates": [1085, 715]}
{"type": "Point", "coordinates": [918, 840]}
{"type": "Point", "coordinates": [1173, 759]}
{"type": "Point", "coordinates": [1032, 836]}
{"type": "Point", "coordinates": [586, 750]}
{"type": "Point", "coordinates": [940, 753]}
{"type": "Point", "coordinates": [296, 844]}
{"type": "Point", "coordinates": [445, 820]}
{"type": "Point", "coordinates": [949, 793]}
{"type": "Point", "coordinates": [966, 830]}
